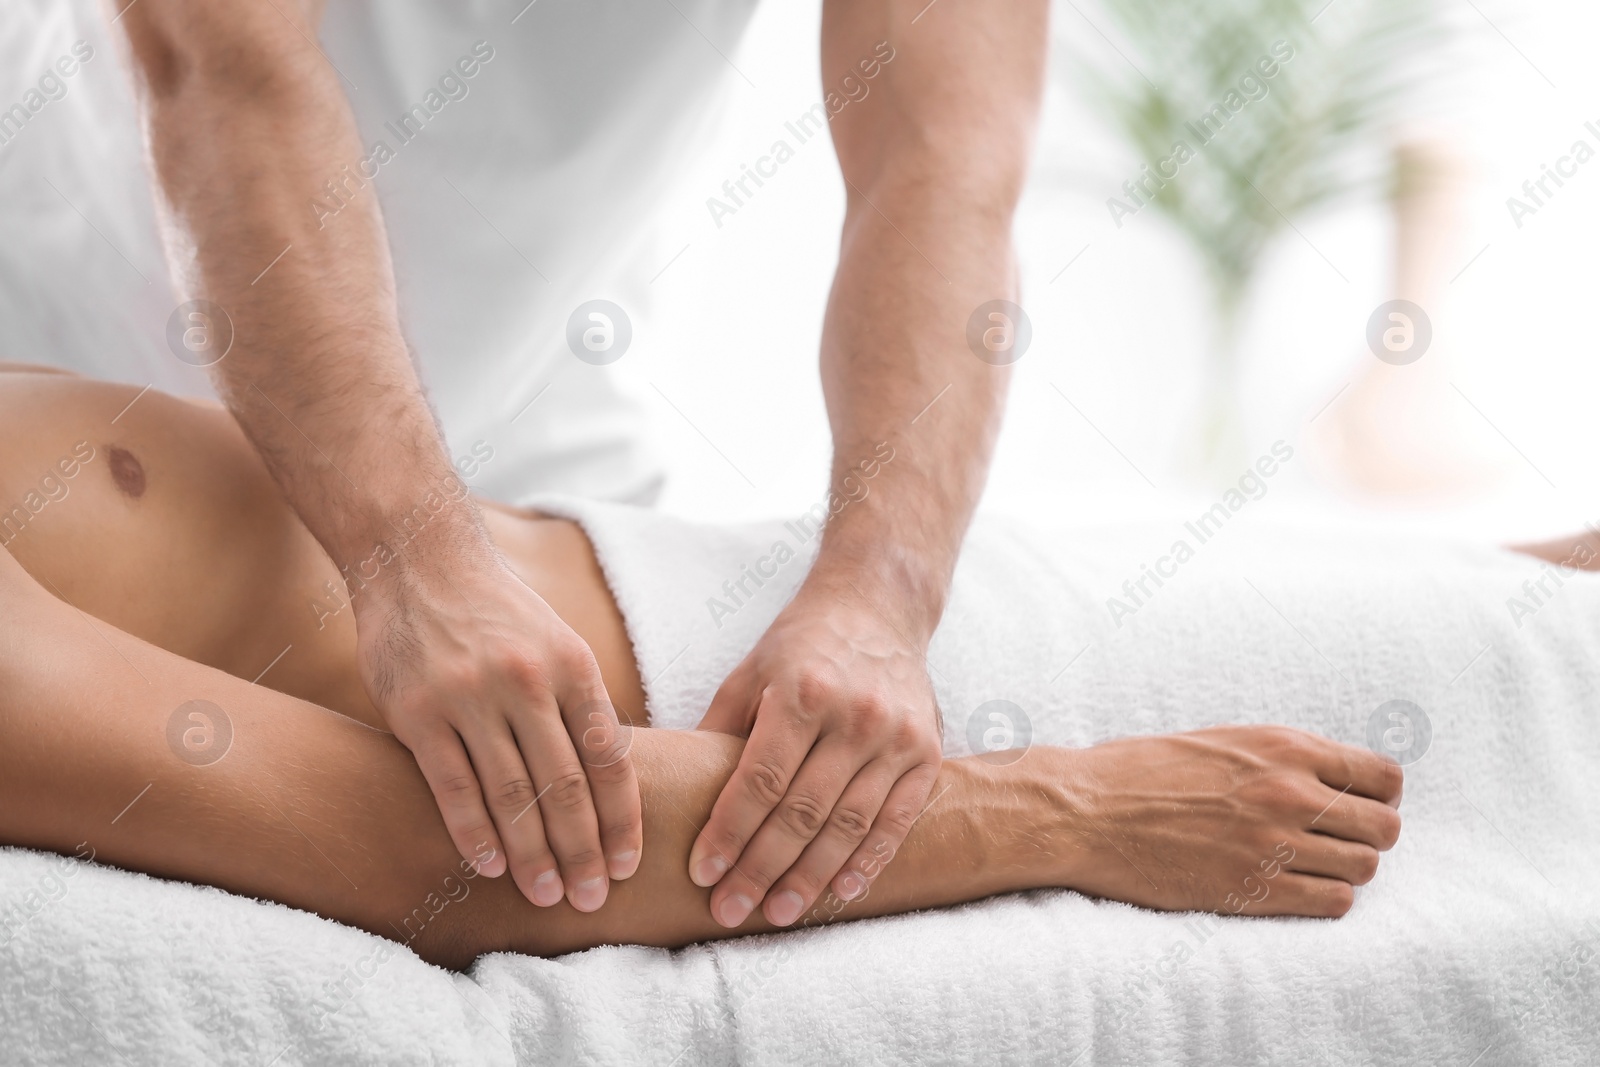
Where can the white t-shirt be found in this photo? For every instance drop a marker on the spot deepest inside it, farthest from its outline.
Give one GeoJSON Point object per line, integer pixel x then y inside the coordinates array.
{"type": "Point", "coordinates": [516, 152]}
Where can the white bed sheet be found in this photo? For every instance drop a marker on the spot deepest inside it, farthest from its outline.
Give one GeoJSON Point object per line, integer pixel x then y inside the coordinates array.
{"type": "Point", "coordinates": [1474, 946]}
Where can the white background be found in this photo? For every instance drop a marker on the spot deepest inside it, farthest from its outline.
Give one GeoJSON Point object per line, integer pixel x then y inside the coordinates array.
{"type": "Point", "coordinates": [732, 335]}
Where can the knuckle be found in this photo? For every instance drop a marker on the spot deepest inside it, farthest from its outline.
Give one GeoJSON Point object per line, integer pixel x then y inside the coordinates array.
{"type": "Point", "coordinates": [803, 814]}
{"type": "Point", "coordinates": [1309, 797]}
{"type": "Point", "coordinates": [576, 661]}
{"type": "Point", "coordinates": [870, 862]}
{"type": "Point", "coordinates": [1265, 735]}
{"type": "Point", "coordinates": [623, 829]}
{"type": "Point", "coordinates": [605, 751]}
{"type": "Point", "coordinates": [475, 837]}
{"type": "Point", "coordinates": [611, 768]}
{"type": "Point", "coordinates": [1283, 793]}
{"type": "Point", "coordinates": [457, 787]}
{"type": "Point", "coordinates": [1388, 828]}
{"type": "Point", "coordinates": [514, 794]}
{"type": "Point", "coordinates": [896, 822]}
{"type": "Point", "coordinates": [908, 737]}
{"type": "Point", "coordinates": [766, 783]}
{"type": "Point", "coordinates": [1289, 743]}
{"type": "Point", "coordinates": [850, 822]}
{"type": "Point", "coordinates": [568, 791]}
{"type": "Point", "coordinates": [522, 672]}
{"type": "Point", "coordinates": [1391, 778]}
{"type": "Point", "coordinates": [1338, 898]}
{"type": "Point", "coordinates": [814, 691]}
{"type": "Point", "coordinates": [1366, 866]}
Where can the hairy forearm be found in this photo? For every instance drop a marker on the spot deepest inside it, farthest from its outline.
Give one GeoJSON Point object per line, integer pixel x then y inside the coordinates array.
{"type": "Point", "coordinates": [914, 413]}
{"type": "Point", "coordinates": [247, 126]}
{"type": "Point", "coordinates": [933, 152]}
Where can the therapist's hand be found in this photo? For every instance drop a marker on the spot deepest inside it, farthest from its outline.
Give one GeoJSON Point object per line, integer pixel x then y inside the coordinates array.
{"type": "Point", "coordinates": [844, 748]}
{"type": "Point", "coordinates": [503, 707]}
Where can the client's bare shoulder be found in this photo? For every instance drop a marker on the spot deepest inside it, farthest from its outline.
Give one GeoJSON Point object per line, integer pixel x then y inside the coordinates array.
{"type": "Point", "coordinates": [105, 486]}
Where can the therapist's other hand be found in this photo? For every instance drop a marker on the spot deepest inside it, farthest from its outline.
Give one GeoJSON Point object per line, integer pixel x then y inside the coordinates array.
{"type": "Point", "coordinates": [844, 748]}
{"type": "Point", "coordinates": [503, 707]}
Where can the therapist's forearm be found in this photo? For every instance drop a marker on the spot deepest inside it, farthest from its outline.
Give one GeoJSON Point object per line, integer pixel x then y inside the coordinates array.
{"type": "Point", "coordinates": [498, 700]}
{"type": "Point", "coordinates": [896, 369]}
{"type": "Point", "coordinates": [933, 147]}
{"type": "Point", "coordinates": [247, 125]}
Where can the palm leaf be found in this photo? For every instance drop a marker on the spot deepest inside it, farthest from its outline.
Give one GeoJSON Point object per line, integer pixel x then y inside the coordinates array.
{"type": "Point", "coordinates": [1310, 141]}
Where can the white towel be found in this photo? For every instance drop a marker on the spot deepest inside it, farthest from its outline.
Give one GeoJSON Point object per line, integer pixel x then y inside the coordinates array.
{"type": "Point", "coordinates": [1476, 942]}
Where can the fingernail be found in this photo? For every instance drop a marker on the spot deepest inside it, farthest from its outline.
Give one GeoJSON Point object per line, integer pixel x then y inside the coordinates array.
{"type": "Point", "coordinates": [547, 889]}
{"type": "Point", "coordinates": [493, 867]}
{"type": "Point", "coordinates": [851, 885]}
{"type": "Point", "coordinates": [784, 908]}
{"type": "Point", "coordinates": [623, 864]}
{"type": "Point", "coordinates": [589, 894]}
{"type": "Point", "coordinates": [735, 910]}
{"type": "Point", "coordinates": [709, 871]}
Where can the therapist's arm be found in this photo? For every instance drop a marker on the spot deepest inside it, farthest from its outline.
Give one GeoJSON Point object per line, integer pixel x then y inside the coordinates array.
{"type": "Point", "coordinates": [843, 727]}
{"type": "Point", "coordinates": [499, 701]}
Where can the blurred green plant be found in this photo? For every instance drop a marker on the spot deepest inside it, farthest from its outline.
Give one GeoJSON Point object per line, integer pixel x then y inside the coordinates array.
{"type": "Point", "coordinates": [1318, 134]}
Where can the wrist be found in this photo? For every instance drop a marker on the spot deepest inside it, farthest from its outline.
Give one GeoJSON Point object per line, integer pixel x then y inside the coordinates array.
{"type": "Point", "coordinates": [1026, 828]}
{"type": "Point", "coordinates": [885, 579]}
{"type": "Point", "coordinates": [440, 542]}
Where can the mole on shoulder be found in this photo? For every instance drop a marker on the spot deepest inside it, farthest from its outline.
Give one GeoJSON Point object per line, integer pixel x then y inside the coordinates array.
{"type": "Point", "coordinates": [126, 471]}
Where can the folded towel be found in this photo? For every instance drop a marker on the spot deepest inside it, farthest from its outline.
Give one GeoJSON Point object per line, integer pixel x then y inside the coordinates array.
{"type": "Point", "coordinates": [1474, 945]}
